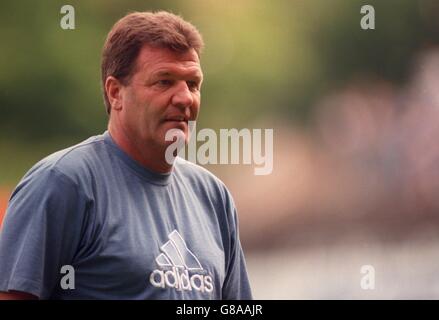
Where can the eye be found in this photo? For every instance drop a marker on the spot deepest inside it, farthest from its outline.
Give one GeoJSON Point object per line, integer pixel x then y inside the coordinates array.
{"type": "Point", "coordinates": [193, 85]}
{"type": "Point", "coordinates": [164, 82]}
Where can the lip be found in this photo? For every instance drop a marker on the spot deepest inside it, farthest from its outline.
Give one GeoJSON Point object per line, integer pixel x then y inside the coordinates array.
{"type": "Point", "coordinates": [177, 119]}
{"type": "Point", "coordinates": [177, 124]}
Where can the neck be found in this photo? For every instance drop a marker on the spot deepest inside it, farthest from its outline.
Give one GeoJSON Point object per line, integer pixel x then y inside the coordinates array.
{"type": "Point", "coordinates": [147, 155]}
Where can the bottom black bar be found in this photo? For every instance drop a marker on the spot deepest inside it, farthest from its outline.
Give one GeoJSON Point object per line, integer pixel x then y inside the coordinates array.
{"type": "Point", "coordinates": [256, 309]}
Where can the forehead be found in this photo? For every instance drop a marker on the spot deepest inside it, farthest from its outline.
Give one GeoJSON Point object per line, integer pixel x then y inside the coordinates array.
{"type": "Point", "coordinates": [153, 60]}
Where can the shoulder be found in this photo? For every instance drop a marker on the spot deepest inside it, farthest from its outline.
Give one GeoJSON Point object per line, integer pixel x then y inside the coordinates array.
{"type": "Point", "coordinates": [203, 181]}
{"type": "Point", "coordinates": [74, 163]}
{"type": "Point", "coordinates": [196, 173]}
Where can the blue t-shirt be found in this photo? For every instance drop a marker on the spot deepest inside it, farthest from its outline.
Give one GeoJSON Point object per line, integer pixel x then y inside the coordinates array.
{"type": "Point", "coordinates": [127, 232]}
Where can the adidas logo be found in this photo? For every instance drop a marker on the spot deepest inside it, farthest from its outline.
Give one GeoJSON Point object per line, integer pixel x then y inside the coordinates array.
{"type": "Point", "coordinates": [179, 268]}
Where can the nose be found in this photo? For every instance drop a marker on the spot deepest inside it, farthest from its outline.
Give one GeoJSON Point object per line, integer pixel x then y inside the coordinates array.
{"type": "Point", "coordinates": [183, 97]}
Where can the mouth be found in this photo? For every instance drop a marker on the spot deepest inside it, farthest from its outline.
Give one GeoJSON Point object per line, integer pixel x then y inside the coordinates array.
{"type": "Point", "coordinates": [179, 122]}
{"type": "Point", "coordinates": [177, 119]}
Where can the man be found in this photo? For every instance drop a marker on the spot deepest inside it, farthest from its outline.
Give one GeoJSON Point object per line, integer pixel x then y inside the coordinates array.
{"type": "Point", "coordinates": [112, 210]}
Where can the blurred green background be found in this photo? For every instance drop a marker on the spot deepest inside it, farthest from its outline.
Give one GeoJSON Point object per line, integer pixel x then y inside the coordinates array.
{"type": "Point", "coordinates": [355, 116]}
{"type": "Point", "coordinates": [263, 59]}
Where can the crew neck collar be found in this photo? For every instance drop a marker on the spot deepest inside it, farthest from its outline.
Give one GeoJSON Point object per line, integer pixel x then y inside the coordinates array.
{"type": "Point", "coordinates": [146, 173]}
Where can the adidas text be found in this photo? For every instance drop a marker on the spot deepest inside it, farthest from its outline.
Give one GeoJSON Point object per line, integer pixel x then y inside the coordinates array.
{"type": "Point", "coordinates": [180, 280]}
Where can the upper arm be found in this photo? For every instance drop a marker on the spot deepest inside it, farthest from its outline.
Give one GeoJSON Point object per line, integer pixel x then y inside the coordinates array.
{"type": "Point", "coordinates": [236, 284]}
{"type": "Point", "coordinates": [40, 234]}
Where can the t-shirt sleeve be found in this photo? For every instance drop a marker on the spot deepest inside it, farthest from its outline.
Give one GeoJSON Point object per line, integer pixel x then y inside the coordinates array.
{"type": "Point", "coordinates": [40, 232]}
{"type": "Point", "coordinates": [236, 284]}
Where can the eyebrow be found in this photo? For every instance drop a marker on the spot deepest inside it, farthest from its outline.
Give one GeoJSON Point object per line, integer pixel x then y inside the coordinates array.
{"type": "Point", "coordinates": [198, 76]}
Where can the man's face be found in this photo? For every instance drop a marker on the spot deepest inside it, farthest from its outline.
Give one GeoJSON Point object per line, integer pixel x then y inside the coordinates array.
{"type": "Point", "coordinates": [163, 94]}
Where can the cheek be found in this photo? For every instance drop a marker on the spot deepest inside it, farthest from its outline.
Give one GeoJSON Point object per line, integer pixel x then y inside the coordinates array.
{"type": "Point", "coordinates": [131, 105]}
{"type": "Point", "coordinates": [196, 106]}
{"type": "Point", "coordinates": [145, 109]}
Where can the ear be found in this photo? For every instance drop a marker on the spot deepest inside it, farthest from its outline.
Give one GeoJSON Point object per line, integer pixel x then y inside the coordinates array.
{"type": "Point", "coordinates": [113, 88]}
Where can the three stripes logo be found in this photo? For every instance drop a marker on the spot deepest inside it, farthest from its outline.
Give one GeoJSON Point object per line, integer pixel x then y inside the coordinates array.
{"type": "Point", "coordinates": [179, 268]}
